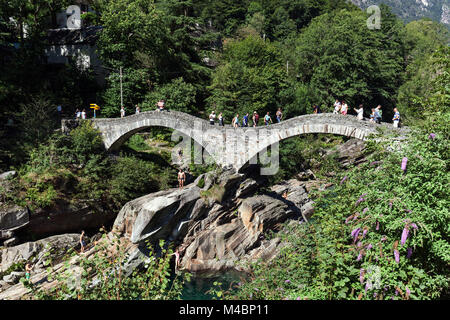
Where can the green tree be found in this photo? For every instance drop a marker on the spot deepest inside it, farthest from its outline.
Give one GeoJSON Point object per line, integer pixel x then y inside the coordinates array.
{"type": "Point", "coordinates": [249, 78]}
{"type": "Point", "coordinates": [341, 58]}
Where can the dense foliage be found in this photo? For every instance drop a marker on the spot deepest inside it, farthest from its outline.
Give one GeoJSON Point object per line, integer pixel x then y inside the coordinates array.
{"type": "Point", "coordinates": [380, 233]}
{"type": "Point", "coordinates": [75, 167]}
{"type": "Point", "coordinates": [104, 277]}
{"type": "Point", "coordinates": [236, 56]}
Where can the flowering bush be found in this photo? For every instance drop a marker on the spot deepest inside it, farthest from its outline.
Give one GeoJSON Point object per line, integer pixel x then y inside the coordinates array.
{"type": "Point", "coordinates": [380, 233]}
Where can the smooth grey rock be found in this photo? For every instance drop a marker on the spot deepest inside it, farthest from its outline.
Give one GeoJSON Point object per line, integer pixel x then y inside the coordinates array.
{"type": "Point", "coordinates": [7, 175]}
{"type": "Point", "coordinates": [58, 245]}
{"type": "Point", "coordinates": [13, 277]}
{"type": "Point", "coordinates": [6, 234]}
{"type": "Point", "coordinates": [11, 242]}
{"type": "Point", "coordinates": [154, 216]}
{"type": "Point", "coordinates": [13, 217]}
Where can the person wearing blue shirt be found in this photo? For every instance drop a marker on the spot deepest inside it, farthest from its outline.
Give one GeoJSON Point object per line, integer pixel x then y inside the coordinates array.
{"type": "Point", "coordinates": [396, 118]}
{"type": "Point", "coordinates": [245, 121]}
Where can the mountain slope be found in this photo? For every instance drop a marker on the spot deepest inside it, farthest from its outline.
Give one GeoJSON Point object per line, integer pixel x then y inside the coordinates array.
{"type": "Point", "coordinates": [437, 10]}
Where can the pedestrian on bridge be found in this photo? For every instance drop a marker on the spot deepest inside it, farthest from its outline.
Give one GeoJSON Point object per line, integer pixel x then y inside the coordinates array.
{"type": "Point", "coordinates": [379, 114]}
{"type": "Point", "coordinates": [138, 110]}
{"type": "Point", "coordinates": [212, 118]}
{"type": "Point", "coordinates": [360, 112]}
{"type": "Point", "coordinates": [337, 107]}
{"type": "Point", "coordinates": [267, 119]}
{"type": "Point", "coordinates": [255, 119]}
{"type": "Point", "coordinates": [344, 108]}
{"type": "Point", "coordinates": [279, 115]}
{"type": "Point", "coordinates": [236, 121]}
{"type": "Point", "coordinates": [161, 105]}
{"type": "Point", "coordinates": [83, 114]}
{"type": "Point", "coordinates": [316, 109]}
{"type": "Point", "coordinates": [396, 118]}
{"type": "Point", "coordinates": [245, 120]}
{"type": "Point", "coordinates": [122, 112]}
{"type": "Point", "coordinates": [372, 115]}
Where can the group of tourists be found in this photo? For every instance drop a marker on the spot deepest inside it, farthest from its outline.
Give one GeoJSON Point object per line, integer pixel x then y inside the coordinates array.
{"type": "Point", "coordinates": [245, 120]}
{"type": "Point", "coordinates": [80, 114]}
{"type": "Point", "coordinates": [376, 114]}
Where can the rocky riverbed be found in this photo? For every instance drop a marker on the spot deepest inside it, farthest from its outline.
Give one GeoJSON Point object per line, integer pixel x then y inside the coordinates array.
{"type": "Point", "coordinates": [218, 223]}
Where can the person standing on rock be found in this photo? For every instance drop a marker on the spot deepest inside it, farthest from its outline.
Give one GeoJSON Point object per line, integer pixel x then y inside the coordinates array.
{"type": "Point", "coordinates": [82, 243]}
{"type": "Point", "coordinates": [181, 179]}
{"type": "Point", "coordinates": [177, 259]}
{"type": "Point", "coordinates": [27, 271]}
{"type": "Point", "coordinates": [221, 120]}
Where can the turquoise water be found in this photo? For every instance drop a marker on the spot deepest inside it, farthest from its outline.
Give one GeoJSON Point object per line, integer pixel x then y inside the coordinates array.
{"type": "Point", "coordinates": [198, 287]}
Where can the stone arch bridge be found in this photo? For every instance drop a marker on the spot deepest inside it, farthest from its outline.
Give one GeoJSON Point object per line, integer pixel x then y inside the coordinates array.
{"type": "Point", "coordinates": [228, 146]}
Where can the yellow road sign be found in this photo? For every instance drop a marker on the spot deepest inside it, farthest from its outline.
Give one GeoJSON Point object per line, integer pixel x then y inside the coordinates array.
{"type": "Point", "coordinates": [94, 106]}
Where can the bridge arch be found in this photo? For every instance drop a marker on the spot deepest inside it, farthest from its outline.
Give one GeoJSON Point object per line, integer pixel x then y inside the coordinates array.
{"type": "Point", "coordinates": [229, 146]}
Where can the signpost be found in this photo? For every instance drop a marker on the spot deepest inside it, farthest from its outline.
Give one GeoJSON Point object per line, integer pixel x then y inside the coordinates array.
{"type": "Point", "coordinates": [95, 107]}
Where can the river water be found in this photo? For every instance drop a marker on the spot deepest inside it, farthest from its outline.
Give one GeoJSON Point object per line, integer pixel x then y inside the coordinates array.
{"type": "Point", "coordinates": [198, 287]}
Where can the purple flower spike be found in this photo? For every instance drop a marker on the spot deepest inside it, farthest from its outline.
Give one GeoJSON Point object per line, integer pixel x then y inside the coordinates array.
{"type": "Point", "coordinates": [408, 292]}
{"type": "Point", "coordinates": [348, 219]}
{"type": "Point", "coordinates": [369, 246]}
{"type": "Point", "coordinates": [432, 136]}
{"type": "Point", "coordinates": [355, 231]}
{"type": "Point", "coordinates": [288, 281]}
{"type": "Point", "coordinates": [378, 226]}
{"type": "Point", "coordinates": [299, 298]}
{"type": "Point", "coordinates": [355, 234]}
{"type": "Point", "coordinates": [404, 235]}
{"type": "Point", "coordinates": [359, 256]}
{"type": "Point", "coordinates": [342, 181]}
{"type": "Point", "coordinates": [414, 226]}
{"type": "Point", "coordinates": [390, 204]}
{"type": "Point", "coordinates": [364, 233]}
{"type": "Point", "coordinates": [383, 238]}
{"type": "Point", "coordinates": [365, 210]}
{"type": "Point", "coordinates": [408, 255]}
{"type": "Point", "coordinates": [397, 256]}
{"type": "Point", "coordinates": [404, 163]}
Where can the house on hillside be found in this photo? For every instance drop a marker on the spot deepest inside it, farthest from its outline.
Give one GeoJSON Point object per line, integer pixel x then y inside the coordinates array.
{"type": "Point", "coordinates": [71, 40]}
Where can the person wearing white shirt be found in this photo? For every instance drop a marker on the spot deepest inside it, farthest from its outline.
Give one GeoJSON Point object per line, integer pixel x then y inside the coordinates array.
{"type": "Point", "coordinates": [212, 118]}
{"type": "Point", "coordinates": [360, 112]}
{"type": "Point", "coordinates": [337, 107]}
